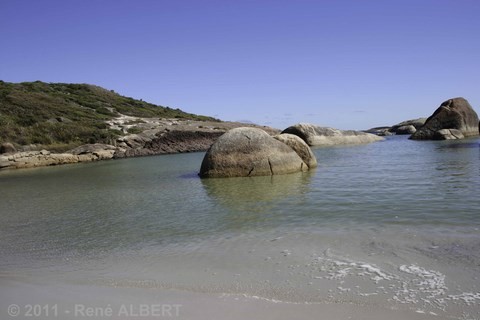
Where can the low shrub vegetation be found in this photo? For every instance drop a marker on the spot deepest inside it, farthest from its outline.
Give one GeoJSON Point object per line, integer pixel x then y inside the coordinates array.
{"type": "Point", "coordinates": [62, 116]}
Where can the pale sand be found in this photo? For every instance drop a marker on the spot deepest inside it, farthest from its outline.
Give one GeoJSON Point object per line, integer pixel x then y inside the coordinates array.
{"type": "Point", "coordinates": [70, 301]}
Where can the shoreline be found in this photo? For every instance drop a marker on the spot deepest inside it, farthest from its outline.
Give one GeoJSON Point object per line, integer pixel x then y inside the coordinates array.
{"type": "Point", "coordinates": [158, 136]}
{"type": "Point", "coordinates": [71, 301]}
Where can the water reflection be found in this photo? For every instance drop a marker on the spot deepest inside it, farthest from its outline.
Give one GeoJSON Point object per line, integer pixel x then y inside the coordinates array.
{"type": "Point", "coordinates": [455, 165]}
{"type": "Point", "coordinates": [247, 193]}
{"type": "Point", "coordinates": [459, 144]}
{"type": "Point", "coordinates": [257, 202]}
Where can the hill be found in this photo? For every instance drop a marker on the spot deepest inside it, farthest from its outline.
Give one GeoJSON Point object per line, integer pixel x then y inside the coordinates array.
{"type": "Point", "coordinates": [61, 116]}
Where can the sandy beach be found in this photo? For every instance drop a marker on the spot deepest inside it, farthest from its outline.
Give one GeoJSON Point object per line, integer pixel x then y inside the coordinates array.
{"type": "Point", "coordinates": [100, 302]}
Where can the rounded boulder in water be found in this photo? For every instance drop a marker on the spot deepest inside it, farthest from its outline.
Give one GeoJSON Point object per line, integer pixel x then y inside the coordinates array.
{"type": "Point", "coordinates": [244, 151]}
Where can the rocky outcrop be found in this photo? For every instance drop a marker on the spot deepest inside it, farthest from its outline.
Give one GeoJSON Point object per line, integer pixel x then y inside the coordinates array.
{"type": "Point", "coordinates": [243, 152]}
{"type": "Point", "coordinates": [404, 127]}
{"type": "Point", "coordinates": [42, 158]}
{"type": "Point", "coordinates": [166, 136]}
{"type": "Point", "coordinates": [300, 147]}
{"type": "Point", "coordinates": [323, 136]}
{"type": "Point", "coordinates": [183, 141]}
{"type": "Point", "coordinates": [156, 136]}
{"type": "Point", "coordinates": [31, 159]}
{"type": "Point", "coordinates": [416, 123]}
{"type": "Point", "coordinates": [380, 131]}
{"type": "Point", "coordinates": [101, 151]}
{"type": "Point", "coordinates": [166, 142]}
{"type": "Point", "coordinates": [455, 114]}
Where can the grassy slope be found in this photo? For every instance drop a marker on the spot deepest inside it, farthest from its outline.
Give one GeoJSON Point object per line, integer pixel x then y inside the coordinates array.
{"type": "Point", "coordinates": [28, 113]}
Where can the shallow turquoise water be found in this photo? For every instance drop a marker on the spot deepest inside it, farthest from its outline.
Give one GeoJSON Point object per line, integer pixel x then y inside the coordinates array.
{"type": "Point", "coordinates": [407, 208]}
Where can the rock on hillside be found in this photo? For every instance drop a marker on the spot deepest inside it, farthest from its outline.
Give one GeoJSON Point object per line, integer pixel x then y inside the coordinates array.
{"type": "Point", "coordinates": [161, 136]}
{"type": "Point", "coordinates": [456, 114]}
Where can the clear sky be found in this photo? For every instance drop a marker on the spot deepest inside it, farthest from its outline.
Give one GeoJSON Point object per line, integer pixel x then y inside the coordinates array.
{"type": "Point", "coordinates": [345, 64]}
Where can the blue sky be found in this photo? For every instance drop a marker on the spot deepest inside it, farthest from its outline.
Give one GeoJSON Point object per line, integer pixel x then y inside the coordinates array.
{"type": "Point", "coordinates": [345, 64]}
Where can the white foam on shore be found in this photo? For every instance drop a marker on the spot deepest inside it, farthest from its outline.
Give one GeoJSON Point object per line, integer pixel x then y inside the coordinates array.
{"type": "Point", "coordinates": [468, 298]}
{"type": "Point", "coordinates": [421, 287]}
{"type": "Point", "coordinates": [255, 297]}
{"type": "Point", "coordinates": [338, 269]}
{"type": "Point", "coordinates": [428, 280]}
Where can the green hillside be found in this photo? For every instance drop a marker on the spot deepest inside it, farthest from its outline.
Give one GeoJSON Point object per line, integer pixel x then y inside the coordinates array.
{"type": "Point", "coordinates": [59, 116]}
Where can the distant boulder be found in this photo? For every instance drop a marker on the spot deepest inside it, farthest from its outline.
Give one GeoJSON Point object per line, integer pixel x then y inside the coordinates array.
{"type": "Point", "coordinates": [404, 127]}
{"type": "Point", "coordinates": [300, 147]}
{"type": "Point", "coordinates": [406, 130]}
{"type": "Point", "coordinates": [416, 123]}
{"type": "Point", "coordinates": [243, 152]}
{"type": "Point", "coordinates": [323, 136]}
{"type": "Point", "coordinates": [379, 131]}
{"type": "Point", "coordinates": [455, 114]}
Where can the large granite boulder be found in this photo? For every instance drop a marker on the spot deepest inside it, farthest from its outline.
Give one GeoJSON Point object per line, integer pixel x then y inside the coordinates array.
{"type": "Point", "coordinates": [300, 147]}
{"type": "Point", "coordinates": [243, 152]}
{"type": "Point", "coordinates": [455, 114]}
{"type": "Point", "coordinates": [323, 136]}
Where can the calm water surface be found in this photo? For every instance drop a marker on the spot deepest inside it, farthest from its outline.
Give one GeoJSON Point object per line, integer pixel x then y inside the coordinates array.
{"type": "Point", "coordinates": [393, 223]}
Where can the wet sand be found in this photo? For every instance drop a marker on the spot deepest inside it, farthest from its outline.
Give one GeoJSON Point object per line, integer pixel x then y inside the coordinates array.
{"type": "Point", "coordinates": [65, 301]}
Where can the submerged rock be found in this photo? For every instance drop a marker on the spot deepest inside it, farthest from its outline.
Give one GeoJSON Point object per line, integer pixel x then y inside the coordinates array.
{"type": "Point", "coordinates": [323, 136]}
{"type": "Point", "coordinates": [243, 152]}
{"type": "Point", "coordinates": [455, 114]}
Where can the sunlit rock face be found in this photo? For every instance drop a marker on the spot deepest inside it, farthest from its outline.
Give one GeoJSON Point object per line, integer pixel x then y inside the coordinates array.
{"type": "Point", "coordinates": [454, 119]}
{"type": "Point", "coordinates": [324, 136]}
{"type": "Point", "coordinates": [243, 152]}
